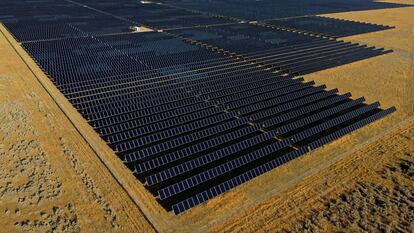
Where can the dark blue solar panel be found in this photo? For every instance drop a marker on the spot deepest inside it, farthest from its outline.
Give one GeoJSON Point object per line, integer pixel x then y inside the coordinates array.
{"type": "Point", "coordinates": [151, 118]}
{"type": "Point", "coordinates": [201, 161]}
{"type": "Point", "coordinates": [216, 155]}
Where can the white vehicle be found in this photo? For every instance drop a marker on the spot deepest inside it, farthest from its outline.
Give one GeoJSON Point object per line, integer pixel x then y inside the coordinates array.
{"type": "Point", "coordinates": [135, 28]}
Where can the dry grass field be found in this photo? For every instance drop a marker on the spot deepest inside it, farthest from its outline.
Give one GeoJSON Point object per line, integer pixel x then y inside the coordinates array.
{"type": "Point", "coordinates": [57, 175]}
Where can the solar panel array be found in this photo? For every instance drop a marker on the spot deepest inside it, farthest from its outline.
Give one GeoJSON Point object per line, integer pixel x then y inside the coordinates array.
{"type": "Point", "coordinates": [197, 120]}
{"type": "Point", "coordinates": [193, 112]}
{"type": "Point", "coordinates": [326, 26]}
{"type": "Point", "coordinates": [58, 19]}
{"type": "Point", "coordinates": [50, 19]}
{"type": "Point", "coordinates": [156, 15]}
{"type": "Point", "coordinates": [287, 51]}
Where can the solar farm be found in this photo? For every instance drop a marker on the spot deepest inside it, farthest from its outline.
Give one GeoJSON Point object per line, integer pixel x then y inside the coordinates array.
{"type": "Point", "coordinates": [190, 101]}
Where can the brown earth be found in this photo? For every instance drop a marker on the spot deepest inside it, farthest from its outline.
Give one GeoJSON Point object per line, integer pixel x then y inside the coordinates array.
{"type": "Point", "coordinates": [58, 175]}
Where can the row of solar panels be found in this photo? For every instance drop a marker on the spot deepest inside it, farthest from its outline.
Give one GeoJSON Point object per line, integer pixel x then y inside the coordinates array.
{"type": "Point", "coordinates": [192, 123]}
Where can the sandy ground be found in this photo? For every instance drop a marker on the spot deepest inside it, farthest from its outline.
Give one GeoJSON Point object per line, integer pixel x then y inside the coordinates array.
{"type": "Point", "coordinates": [57, 177]}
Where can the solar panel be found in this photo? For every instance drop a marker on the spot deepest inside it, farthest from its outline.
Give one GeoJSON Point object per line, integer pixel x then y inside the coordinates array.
{"type": "Point", "coordinates": [347, 59]}
{"type": "Point", "coordinates": [218, 154]}
{"type": "Point", "coordinates": [200, 161]}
